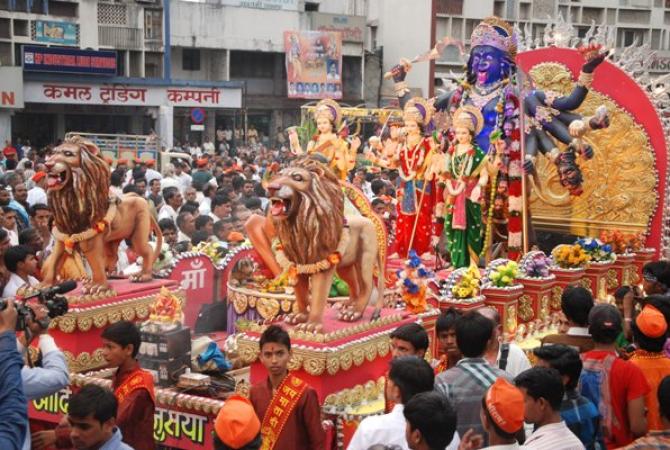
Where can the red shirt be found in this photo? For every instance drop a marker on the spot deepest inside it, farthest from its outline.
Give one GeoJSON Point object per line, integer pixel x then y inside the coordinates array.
{"type": "Point", "coordinates": [135, 416]}
{"type": "Point", "coordinates": [303, 429]}
{"type": "Point", "coordinates": [627, 382]}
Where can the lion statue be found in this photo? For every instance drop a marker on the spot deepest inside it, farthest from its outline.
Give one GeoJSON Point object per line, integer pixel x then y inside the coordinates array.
{"type": "Point", "coordinates": [87, 219]}
{"type": "Point", "coordinates": [307, 212]}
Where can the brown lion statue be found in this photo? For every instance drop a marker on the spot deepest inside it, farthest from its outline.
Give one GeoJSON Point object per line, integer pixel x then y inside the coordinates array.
{"type": "Point", "coordinates": [307, 211]}
{"type": "Point", "coordinates": [88, 220]}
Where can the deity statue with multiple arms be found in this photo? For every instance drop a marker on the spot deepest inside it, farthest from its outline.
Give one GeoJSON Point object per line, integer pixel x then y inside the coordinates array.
{"type": "Point", "coordinates": [340, 154]}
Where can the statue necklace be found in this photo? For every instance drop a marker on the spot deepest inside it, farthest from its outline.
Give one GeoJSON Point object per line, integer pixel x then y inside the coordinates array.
{"type": "Point", "coordinates": [412, 161]}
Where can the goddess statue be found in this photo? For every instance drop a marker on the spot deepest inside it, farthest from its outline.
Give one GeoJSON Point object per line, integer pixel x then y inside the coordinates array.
{"type": "Point", "coordinates": [467, 173]}
{"type": "Point", "coordinates": [340, 155]}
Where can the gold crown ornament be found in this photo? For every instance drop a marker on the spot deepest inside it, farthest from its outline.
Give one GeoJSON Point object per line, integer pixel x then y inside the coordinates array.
{"type": "Point", "coordinates": [419, 110]}
{"type": "Point", "coordinates": [329, 109]}
{"type": "Point", "coordinates": [469, 117]}
{"type": "Point", "coordinates": [488, 32]}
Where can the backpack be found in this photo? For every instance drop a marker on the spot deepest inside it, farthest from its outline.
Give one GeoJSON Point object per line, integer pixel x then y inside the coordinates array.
{"type": "Point", "coordinates": [594, 384]}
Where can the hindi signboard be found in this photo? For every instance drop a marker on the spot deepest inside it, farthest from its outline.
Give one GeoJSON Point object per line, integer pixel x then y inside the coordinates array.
{"type": "Point", "coordinates": [65, 33]}
{"type": "Point", "coordinates": [128, 95]}
{"type": "Point", "coordinates": [314, 64]}
{"type": "Point", "coordinates": [284, 5]}
{"type": "Point", "coordinates": [69, 60]}
{"type": "Point", "coordinates": [351, 27]}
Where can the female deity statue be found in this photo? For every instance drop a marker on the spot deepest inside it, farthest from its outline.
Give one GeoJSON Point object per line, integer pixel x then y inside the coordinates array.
{"type": "Point", "coordinates": [340, 155]}
{"type": "Point", "coordinates": [417, 191]}
{"type": "Point", "coordinates": [467, 173]}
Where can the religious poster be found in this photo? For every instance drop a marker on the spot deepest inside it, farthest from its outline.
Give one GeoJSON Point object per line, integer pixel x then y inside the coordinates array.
{"type": "Point", "coordinates": [313, 64]}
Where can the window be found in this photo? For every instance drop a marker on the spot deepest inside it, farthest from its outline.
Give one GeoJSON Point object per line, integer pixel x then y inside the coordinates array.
{"type": "Point", "coordinates": [311, 7]}
{"type": "Point", "coordinates": [452, 7]}
{"type": "Point", "coordinates": [628, 36]}
{"type": "Point", "coordinates": [252, 64]}
{"type": "Point", "coordinates": [153, 24]}
{"type": "Point", "coordinates": [190, 59]}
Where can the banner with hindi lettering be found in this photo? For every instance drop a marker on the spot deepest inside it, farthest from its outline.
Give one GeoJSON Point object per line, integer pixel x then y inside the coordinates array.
{"type": "Point", "coordinates": [313, 64]}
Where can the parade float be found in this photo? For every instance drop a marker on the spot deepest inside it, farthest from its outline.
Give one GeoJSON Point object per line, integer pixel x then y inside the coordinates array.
{"type": "Point", "coordinates": [556, 113]}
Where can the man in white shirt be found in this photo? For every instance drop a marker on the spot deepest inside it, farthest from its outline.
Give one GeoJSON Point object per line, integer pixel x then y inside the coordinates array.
{"type": "Point", "coordinates": [182, 177]}
{"type": "Point", "coordinates": [151, 173]}
{"type": "Point", "coordinates": [506, 356]}
{"type": "Point", "coordinates": [502, 415]}
{"type": "Point", "coordinates": [37, 194]}
{"type": "Point", "coordinates": [208, 146]}
{"type": "Point", "coordinates": [431, 423]}
{"type": "Point", "coordinates": [408, 376]}
{"type": "Point", "coordinates": [21, 263]}
{"type": "Point", "coordinates": [172, 202]}
{"type": "Point", "coordinates": [543, 393]}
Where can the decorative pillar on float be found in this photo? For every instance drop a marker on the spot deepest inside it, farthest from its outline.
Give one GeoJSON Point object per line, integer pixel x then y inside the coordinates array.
{"type": "Point", "coordinates": [502, 292]}
{"type": "Point", "coordinates": [461, 290]}
{"type": "Point", "coordinates": [601, 257]}
{"type": "Point", "coordinates": [569, 267]}
{"type": "Point", "coordinates": [534, 310]}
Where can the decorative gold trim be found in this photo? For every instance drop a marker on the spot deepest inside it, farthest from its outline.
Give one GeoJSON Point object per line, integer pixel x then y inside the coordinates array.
{"type": "Point", "coordinates": [555, 302]}
{"type": "Point", "coordinates": [316, 362]}
{"type": "Point", "coordinates": [612, 279]}
{"type": "Point", "coordinates": [84, 361]}
{"type": "Point", "coordinates": [346, 398]}
{"type": "Point", "coordinates": [84, 318]}
{"type": "Point", "coordinates": [525, 311]}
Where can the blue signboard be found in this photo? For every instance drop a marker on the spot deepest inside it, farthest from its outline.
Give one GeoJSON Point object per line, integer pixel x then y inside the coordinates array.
{"type": "Point", "coordinates": [69, 60]}
{"type": "Point", "coordinates": [197, 116]}
{"type": "Point", "coordinates": [65, 33]}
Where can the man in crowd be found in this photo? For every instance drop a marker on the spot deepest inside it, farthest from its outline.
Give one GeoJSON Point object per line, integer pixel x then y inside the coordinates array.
{"type": "Point", "coordinates": [649, 334]}
{"type": "Point", "coordinates": [288, 406]}
{"type": "Point", "coordinates": [409, 375]}
{"type": "Point", "coordinates": [13, 404]}
{"type": "Point", "coordinates": [502, 415]}
{"type": "Point", "coordinates": [579, 414]}
{"type": "Point", "coordinates": [465, 384]}
{"type": "Point", "coordinates": [184, 180]}
{"type": "Point", "coordinates": [92, 419]}
{"type": "Point", "coordinates": [407, 340]}
{"type": "Point", "coordinates": [656, 278]}
{"type": "Point", "coordinates": [506, 356]}
{"type": "Point", "coordinates": [40, 215]}
{"type": "Point", "coordinates": [576, 303]}
{"type": "Point", "coordinates": [431, 422]}
{"type": "Point", "coordinates": [37, 194]}
{"type": "Point", "coordinates": [658, 439]}
{"type": "Point", "coordinates": [186, 225]}
{"type": "Point", "coordinates": [173, 201]}
{"type": "Point", "coordinates": [543, 392]}
{"type": "Point", "coordinates": [236, 426]}
{"type": "Point", "coordinates": [221, 208]}
{"type": "Point", "coordinates": [21, 263]}
{"type": "Point", "coordinates": [616, 386]}
{"type": "Point", "coordinates": [445, 328]}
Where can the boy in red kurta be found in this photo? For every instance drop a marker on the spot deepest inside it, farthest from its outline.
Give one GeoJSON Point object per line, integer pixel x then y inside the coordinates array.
{"type": "Point", "coordinates": [132, 386]}
{"type": "Point", "coordinates": [287, 406]}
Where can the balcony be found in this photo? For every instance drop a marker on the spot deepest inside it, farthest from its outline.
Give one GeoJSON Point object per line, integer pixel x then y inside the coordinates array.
{"type": "Point", "coordinates": [123, 38]}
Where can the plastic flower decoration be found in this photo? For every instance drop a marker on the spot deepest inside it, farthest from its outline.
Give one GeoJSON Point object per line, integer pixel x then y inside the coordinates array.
{"type": "Point", "coordinates": [469, 284]}
{"type": "Point", "coordinates": [570, 256]}
{"type": "Point", "coordinates": [216, 251]}
{"type": "Point", "coordinates": [413, 284]}
{"type": "Point", "coordinates": [621, 242]}
{"type": "Point", "coordinates": [597, 250]}
{"type": "Point", "coordinates": [505, 274]}
{"type": "Point", "coordinates": [537, 267]}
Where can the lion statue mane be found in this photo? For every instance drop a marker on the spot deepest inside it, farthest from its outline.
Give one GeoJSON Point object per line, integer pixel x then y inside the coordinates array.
{"type": "Point", "coordinates": [89, 221]}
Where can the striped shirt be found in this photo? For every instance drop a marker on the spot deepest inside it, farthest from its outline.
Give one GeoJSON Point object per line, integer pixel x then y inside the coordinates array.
{"type": "Point", "coordinates": [465, 385]}
{"type": "Point", "coordinates": [555, 436]}
{"type": "Point", "coordinates": [655, 440]}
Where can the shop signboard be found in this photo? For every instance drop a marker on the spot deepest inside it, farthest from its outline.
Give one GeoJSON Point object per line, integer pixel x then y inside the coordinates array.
{"type": "Point", "coordinates": [313, 64]}
{"type": "Point", "coordinates": [284, 5]}
{"type": "Point", "coordinates": [351, 27]}
{"type": "Point", "coordinates": [129, 95]}
{"type": "Point", "coordinates": [11, 87]}
{"type": "Point", "coordinates": [65, 33]}
{"type": "Point", "coordinates": [69, 60]}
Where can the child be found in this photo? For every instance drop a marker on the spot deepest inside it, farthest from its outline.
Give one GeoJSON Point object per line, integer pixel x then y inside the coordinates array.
{"type": "Point", "coordinates": [288, 406]}
{"type": "Point", "coordinates": [132, 386]}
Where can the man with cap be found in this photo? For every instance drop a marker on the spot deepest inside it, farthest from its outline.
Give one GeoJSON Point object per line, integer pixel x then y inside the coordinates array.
{"type": "Point", "coordinates": [502, 415]}
{"type": "Point", "coordinates": [237, 427]}
{"type": "Point", "coordinates": [37, 194]}
{"type": "Point", "coordinates": [202, 175]}
{"type": "Point", "coordinates": [543, 391]}
{"type": "Point", "coordinates": [616, 386]}
{"type": "Point", "coordinates": [649, 334]}
{"type": "Point", "coordinates": [151, 173]}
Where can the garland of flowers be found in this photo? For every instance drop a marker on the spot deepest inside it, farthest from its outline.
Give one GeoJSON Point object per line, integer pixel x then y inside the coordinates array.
{"type": "Point", "coordinates": [331, 260]}
{"type": "Point", "coordinates": [70, 240]}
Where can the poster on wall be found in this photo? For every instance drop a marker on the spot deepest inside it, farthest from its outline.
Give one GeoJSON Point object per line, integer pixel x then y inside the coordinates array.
{"type": "Point", "coordinates": [313, 64]}
{"type": "Point", "coordinates": [65, 33]}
